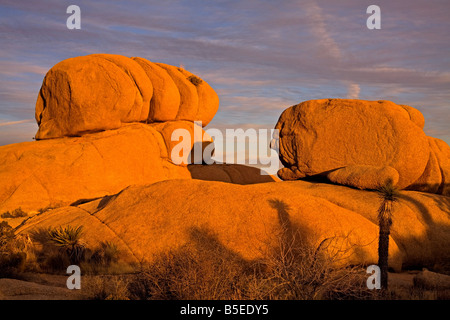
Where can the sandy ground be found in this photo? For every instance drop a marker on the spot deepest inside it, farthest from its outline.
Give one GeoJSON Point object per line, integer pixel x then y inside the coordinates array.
{"type": "Point", "coordinates": [37, 287]}
{"type": "Point", "coordinates": [34, 286]}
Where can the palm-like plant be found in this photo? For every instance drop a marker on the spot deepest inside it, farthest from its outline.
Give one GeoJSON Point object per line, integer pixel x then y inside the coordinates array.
{"type": "Point", "coordinates": [389, 194]}
{"type": "Point", "coordinates": [69, 239]}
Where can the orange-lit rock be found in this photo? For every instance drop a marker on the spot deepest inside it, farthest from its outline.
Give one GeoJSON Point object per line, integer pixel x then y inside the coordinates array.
{"type": "Point", "coordinates": [166, 96]}
{"type": "Point", "coordinates": [342, 139]}
{"type": "Point", "coordinates": [103, 91]}
{"type": "Point", "coordinates": [442, 152]}
{"type": "Point", "coordinates": [37, 174]}
{"type": "Point", "coordinates": [148, 219]}
{"type": "Point", "coordinates": [370, 177]}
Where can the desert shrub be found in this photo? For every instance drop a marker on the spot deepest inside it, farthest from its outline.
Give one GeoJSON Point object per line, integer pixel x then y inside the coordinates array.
{"type": "Point", "coordinates": [54, 261]}
{"type": "Point", "coordinates": [296, 270]}
{"type": "Point", "coordinates": [106, 288]}
{"type": "Point", "coordinates": [6, 235]}
{"type": "Point", "coordinates": [12, 264]}
{"type": "Point", "coordinates": [195, 80]}
{"type": "Point", "coordinates": [202, 269]}
{"type": "Point", "coordinates": [12, 255]}
{"type": "Point", "coordinates": [17, 213]}
{"type": "Point", "coordinates": [104, 260]}
{"type": "Point", "coordinates": [62, 246]}
{"type": "Point", "coordinates": [106, 253]}
{"type": "Point", "coordinates": [68, 239]}
{"type": "Point", "coordinates": [207, 270]}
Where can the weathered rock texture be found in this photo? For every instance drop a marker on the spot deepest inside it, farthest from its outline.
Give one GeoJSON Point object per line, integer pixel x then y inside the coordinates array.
{"type": "Point", "coordinates": [52, 172]}
{"type": "Point", "coordinates": [148, 219]}
{"type": "Point", "coordinates": [362, 144]}
{"type": "Point", "coordinates": [104, 91]}
{"type": "Point", "coordinates": [111, 120]}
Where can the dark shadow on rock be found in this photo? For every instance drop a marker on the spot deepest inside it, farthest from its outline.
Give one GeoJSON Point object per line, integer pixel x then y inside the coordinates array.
{"type": "Point", "coordinates": [231, 173]}
{"type": "Point", "coordinates": [430, 188]}
{"type": "Point", "coordinates": [420, 206]}
{"type": "Point", "coordinates": [442, 202]}
{"type": "Point", "coordinates": [436, 258]}
{"type": "Point", "coordinates": [105, 201]}
{"type": "Point", "coordinates": [206, 242]}
{"type": "Point", "coordinates": [284, 220]}
{"type": "Point", "coordinates": [83, 201]}
{"type": "Point", "coordinates": [200, 146]}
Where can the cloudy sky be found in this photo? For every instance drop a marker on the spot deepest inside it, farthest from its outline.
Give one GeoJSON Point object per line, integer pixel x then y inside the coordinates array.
{"type": "Point", "coordinates": [260, 56]}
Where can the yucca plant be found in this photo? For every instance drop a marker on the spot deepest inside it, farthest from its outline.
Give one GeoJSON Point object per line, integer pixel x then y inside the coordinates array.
{"type": "Point", "coordinates": [69, 240]}
{"type": "Point", "coordinates": [388, 194]}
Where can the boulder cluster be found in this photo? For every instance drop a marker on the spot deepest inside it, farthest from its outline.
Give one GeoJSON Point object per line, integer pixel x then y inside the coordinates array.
{"type": "Point", "coordinates": [102, 159]}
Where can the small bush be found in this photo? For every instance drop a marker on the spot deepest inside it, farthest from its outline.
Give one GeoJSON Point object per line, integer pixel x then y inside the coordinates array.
{"type": "Point", "coordinates": [11, 264]}
{"type": "Point", "coordinates": [106, 254]}
{"type": "Point", "coordinates": [69, 240]}
{"type": "Point", "coordinates": [55, 262]}
{"type": "Point", "coordinates": [12, 258]}
{"type": "Point", "coordinates": [6, 235]}
{"type": "Point", "coordinates": [17, 213]}
{"type": "Point", "coordinates": [195, 80]}
{"type": "Point", "coordinates": [103, 260]}
{"type": "Point", "coordinates": [106, 288]}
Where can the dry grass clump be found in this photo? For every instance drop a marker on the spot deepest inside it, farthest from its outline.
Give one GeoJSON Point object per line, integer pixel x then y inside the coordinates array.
{"type": "Point", "coordinates": [204, 269]}
{"type": "Point", "coordinates": [105, 288]}
{"type": "Point", "coordinates": [13, 251]}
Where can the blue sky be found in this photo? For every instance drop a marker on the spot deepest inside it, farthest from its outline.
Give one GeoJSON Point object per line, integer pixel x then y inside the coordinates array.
{"type": "Point", "coordinates": [260, 56]}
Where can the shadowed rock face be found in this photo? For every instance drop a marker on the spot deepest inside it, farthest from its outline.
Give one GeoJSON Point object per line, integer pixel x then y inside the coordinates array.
{"type": "Point", "coordinates": [362, 144]}
{"type": "Point", "coordinates": [104, 91]}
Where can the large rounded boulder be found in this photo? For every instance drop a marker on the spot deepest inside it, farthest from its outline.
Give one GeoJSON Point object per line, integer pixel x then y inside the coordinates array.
{"type": "Point", "coordinates": [363, 144]}
{"type": "Point", "coordinates": [105, 91]}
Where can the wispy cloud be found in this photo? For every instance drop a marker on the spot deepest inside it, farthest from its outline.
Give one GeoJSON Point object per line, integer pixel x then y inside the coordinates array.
{"type": "Point", "coordinates": [353, 91]}
{"type": "Point", "coordinates": [10, 123]}
{"type": "Point", "coordinates": [318, 27]}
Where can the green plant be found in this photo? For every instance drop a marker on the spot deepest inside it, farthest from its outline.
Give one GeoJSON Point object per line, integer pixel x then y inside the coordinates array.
{"type": "Point", "coordinates": [17, 213]}
{"type": "Point", "coordinates": [388, 194]}
{"type": "Point", "coordinates": [69, 240]}
{"type": "Point", "coordinates": [195, 80]}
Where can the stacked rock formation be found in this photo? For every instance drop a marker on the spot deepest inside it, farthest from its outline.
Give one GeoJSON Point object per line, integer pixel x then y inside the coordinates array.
{"type": "Point", "coordinates": [106, 122]}
{"type": "Point", "coordinates": [363, 144]}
